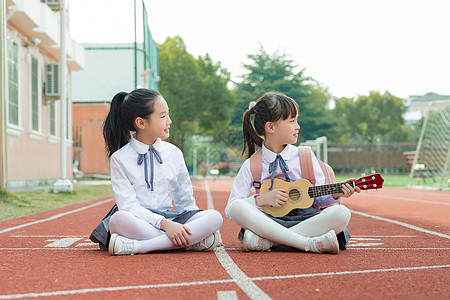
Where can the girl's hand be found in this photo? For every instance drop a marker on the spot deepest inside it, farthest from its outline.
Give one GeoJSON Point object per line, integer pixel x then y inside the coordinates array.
{"type": "Point", "coordinates": [347, 190]}
{"type": "Point", "coordinates": [177, 233]}
{"type": "Point", "coordinates": [275, 198]}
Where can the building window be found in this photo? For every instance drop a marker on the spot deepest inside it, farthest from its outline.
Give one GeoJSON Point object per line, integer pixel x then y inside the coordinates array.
{"type": "Point", "coordinates": [35, 103]}
{"type": "Point", "coordinates": [13, 83]}
{"type": "Point", "coordinates": [77, 135]}
{"type": "Point", "coordinates": [52, 117]}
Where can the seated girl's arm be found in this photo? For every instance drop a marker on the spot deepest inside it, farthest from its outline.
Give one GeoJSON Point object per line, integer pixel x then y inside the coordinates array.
{"type": "Point", "coordinates": [125, 195]}
{"type": "Point", "coordinates": [242, 188]}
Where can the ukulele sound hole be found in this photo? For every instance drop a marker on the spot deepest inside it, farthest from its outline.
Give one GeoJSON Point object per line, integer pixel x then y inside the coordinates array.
{"type": "Point", "coordinates": [294, 195]}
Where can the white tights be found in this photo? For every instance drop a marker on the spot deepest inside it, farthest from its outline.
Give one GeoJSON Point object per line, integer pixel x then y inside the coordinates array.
{"type": "Point", "coordinates": [202, 224]}
{"type": "Point", "coordinates": [250, 217]}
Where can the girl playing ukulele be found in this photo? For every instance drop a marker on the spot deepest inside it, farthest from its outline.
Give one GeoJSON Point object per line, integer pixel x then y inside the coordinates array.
{"type": "Point", "coordinates": [312, 229]}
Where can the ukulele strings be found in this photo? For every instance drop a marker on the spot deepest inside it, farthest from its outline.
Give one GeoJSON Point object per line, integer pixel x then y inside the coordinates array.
{"type": "Point", "coordinates": [321, 190]}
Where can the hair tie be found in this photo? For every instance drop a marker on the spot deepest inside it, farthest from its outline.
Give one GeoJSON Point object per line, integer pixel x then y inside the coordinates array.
{"type": "Point", "coordinates": [251, 107]}
{"type": "Point", "coordinates": [125, 98]}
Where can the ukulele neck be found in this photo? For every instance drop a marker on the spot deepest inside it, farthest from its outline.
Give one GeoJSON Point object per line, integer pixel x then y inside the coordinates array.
{"type": "Point", "coordinates": [328, 189]}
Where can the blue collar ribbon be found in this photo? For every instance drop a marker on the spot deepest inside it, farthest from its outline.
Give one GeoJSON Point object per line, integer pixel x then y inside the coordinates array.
{"type": "Point", "coordinates": [273, 168]}
{"type": "Point", "coordinates": [141, 158]}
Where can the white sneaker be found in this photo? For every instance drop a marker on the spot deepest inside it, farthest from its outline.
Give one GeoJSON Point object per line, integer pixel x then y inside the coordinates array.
{"type": "Point", "coordinates": [207, 244]}
{"type": "Point", "coordinates": [326, 243]}
{"type": "Point", "coordinates": [253, 242]}
{"type": "Point", "coordinates": [119, 245]}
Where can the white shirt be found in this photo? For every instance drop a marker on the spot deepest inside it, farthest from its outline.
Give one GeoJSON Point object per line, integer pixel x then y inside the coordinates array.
{"type": "Point", "coordinates": [244, 179]}
{"type": "Point", "coordinates": [170, 181]}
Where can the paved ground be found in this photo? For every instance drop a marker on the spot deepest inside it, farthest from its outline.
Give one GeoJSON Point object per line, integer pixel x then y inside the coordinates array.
{"type": "Point", "coordinates": [399, 249]}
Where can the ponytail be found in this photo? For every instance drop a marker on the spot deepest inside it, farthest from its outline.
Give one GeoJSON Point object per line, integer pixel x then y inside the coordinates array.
{"type": "Point", "coordinates": [114, 133]}
{"type": "Point", "coordinates": [250, 136]}
{"type": "Point", "coordinates": [271, 107]}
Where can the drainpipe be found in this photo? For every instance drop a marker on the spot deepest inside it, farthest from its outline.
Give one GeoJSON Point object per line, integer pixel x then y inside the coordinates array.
{"type": "Point", "coordinates": [3, 61]}
{"type": "Point", "coordinates": [135, 48]}
{"type": "Point", "coordinates": [63, 184]}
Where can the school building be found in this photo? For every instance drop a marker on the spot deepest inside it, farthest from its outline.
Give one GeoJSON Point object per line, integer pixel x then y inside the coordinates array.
{"type": "Point", "coordinates": [31, 149]}
{"type": "Point", "coordinates": [109, 69]}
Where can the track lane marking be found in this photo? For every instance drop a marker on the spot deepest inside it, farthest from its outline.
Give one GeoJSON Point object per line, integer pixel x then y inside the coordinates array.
{"type": "Point", "coordinates": [226, 249]}
{"type": "Point", "coordinates": [239, 277]}
{"type": "Point", "coordinates": [227, 295]}
{"type": "Point", "coordinates": [194, 283]}
{"type": "Point", "coordinates": [401, 224]}
{"type": "Point", "coordinates": [113, 289]}
{"type": "Point", "coordinates": [56, 216]}
{"type": "Point", "coordinates": [351, 272]}
{"type": "Point", "coordinates": [412, 200]}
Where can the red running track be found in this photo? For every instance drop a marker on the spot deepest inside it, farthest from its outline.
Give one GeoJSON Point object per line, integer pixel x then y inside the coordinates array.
{"type": "Point", "coordinates": [399, 249]}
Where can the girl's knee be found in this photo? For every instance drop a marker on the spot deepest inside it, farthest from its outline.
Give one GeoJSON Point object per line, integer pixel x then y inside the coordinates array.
{"type": "Point", "coordinates": [118, 217]}
{"type": "Point", "coordinates": [345, 211]}
{"type": "Point", "coordinates": [237, 206]}
{"type": "Point", "coordinates": [338, 211]}
{"type": "Point", "coordinates": [341, 211]}
{"type": "Point", "coordinates": [216, 218]}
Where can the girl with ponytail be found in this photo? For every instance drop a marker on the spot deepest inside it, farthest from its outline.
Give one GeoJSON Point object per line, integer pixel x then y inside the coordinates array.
{"type": "Point", "coordinates": [274, 129]}
{"type": "Point", "coordinates": [147, 176]}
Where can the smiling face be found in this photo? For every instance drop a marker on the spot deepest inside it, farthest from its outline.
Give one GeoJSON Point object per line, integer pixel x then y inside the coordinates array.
{"type": "Point", "coordinates": [286, 131]}
{"type": "Point", "coordinates": [156, 125]}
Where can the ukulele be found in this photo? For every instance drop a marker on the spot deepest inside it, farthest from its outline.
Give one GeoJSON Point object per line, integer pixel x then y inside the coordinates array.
{"type": "Point", "coordinates": [301, 193]}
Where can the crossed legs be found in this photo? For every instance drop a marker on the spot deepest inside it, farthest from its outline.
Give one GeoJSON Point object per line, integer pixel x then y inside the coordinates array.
{"type": "Point", "coordinates": [249, 217]}
{"type": "Point", "coordinates": [202, 224]}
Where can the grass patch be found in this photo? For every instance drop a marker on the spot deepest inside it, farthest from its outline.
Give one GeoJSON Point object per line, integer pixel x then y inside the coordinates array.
{"type": "Point", "coordinates": [23, 203]}
{"type": "Point", "coordinates": [398, 181]}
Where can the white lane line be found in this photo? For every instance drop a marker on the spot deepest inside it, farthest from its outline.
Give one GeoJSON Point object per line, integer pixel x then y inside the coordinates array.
{"type": "Point", "coordinates": [194, 283]}
{"type": "Point", "coordinates": [112, 289]}
{"type": "Point", "coordinates": [227, 295]}
{"type": "Point", "coordinates": [380, 248]}
{"type": "Point", "coordinates": [49, 236]}
{"type": "Point", "coordinates": [411, 200]}
{"type": "Point", "coordinates": [241, 279]}
{"type": "Point", "coordinates": [351, 272]}
{"type": "Point", "coordinates": [55, 216]}
{"type": "Point", "coordinates": [401, 224]}
{"type": "Point", "coordinates": [382, 236]}
{"type": "Point", "coordinates": [95, 247]}
{"type": "Point", "coordinates": [62, 243]}
{"type": "Point", "coordinates": [65, 248]}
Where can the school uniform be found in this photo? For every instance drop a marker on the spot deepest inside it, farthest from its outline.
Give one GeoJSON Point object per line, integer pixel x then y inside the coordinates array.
{"type": "Point", "coordinates": [244, 179]}
{"type": "Point", "coordinates": [145, 184]}
{"type": "Point", "coordinates": [241, 189]}
{"type": "Point", "coordinates": [171, 180]}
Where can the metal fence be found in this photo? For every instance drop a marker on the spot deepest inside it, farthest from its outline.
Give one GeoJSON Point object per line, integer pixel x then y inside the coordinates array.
{"type": "Point", "coordinates": [381, 157]}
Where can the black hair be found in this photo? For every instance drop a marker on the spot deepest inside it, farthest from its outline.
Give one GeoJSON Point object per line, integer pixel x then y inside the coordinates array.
{"type": "Point", "coordinates": [270, 107]}
{"type": "Point", "coordinates": [125, 108]}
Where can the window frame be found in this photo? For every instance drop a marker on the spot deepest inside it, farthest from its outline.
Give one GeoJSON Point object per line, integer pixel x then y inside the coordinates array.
{"type": "Point", "coordinates": [13, 128]}
{"type": "Point", "coordinates": [35, 95]}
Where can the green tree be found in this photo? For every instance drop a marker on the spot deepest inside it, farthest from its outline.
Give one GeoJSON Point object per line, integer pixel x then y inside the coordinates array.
{"type": "Point", "coordinates": [277, 72]}
{"type": "Point", "coordinates": [179, 83]}
{"type": "Point", "coordinates": [373, 116]}
{"type": "Point", "coordinates": [195, 89]}
{"type": "Point", "coordinates": [217, 100]}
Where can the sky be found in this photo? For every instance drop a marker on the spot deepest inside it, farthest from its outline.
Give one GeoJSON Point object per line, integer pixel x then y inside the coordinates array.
{"type": "Point", "coordinates": [351, 47]}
